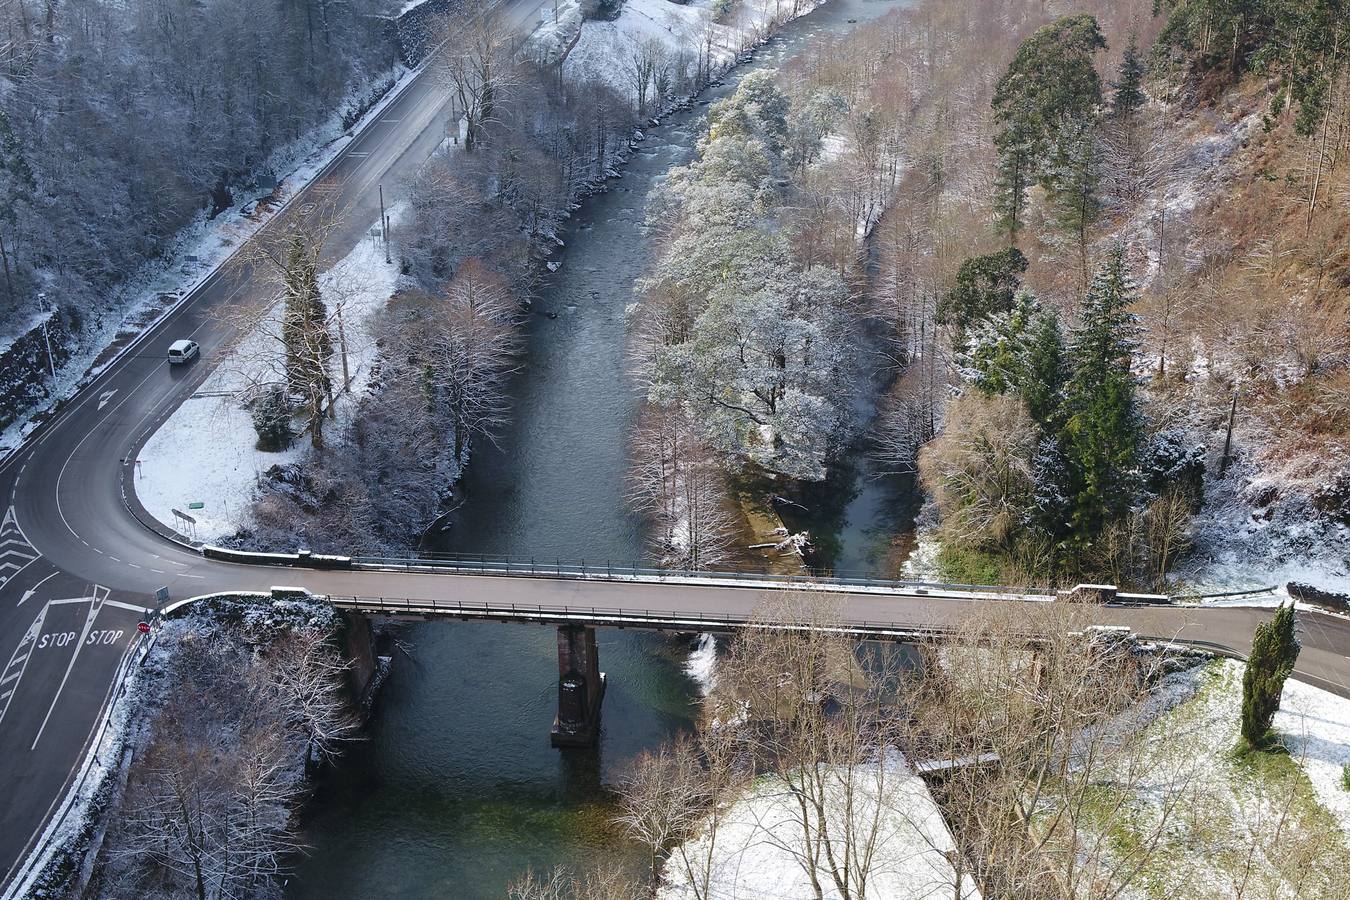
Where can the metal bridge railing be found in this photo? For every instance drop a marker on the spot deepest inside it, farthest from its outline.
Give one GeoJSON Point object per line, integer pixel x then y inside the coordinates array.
{"type": "Point", "coordinates": [602, 615]}
{"type": "Point", "coordinates": [557, 567]}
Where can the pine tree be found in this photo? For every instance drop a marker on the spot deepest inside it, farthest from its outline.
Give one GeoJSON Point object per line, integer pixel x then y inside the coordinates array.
{"type": "Point", "coordinates": [1129, 98]}
{"type": "Point", "coordinates": [1103, 427]}
{"type": "Point", "coordinates": [1072, 179]}
{"type": "Point", "coordinates": [1274, 651]}
{"type": "Point", "coordinates": [1014, 174]}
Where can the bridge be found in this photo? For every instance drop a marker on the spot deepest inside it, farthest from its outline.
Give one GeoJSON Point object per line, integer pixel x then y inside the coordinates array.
{"type": "Point", "coordinates": [576, 597]}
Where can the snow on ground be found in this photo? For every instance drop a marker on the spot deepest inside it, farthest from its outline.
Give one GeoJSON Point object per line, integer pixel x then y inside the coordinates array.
{"type": "Point", "coordinates": [758, 846]}
{"type": "Point", "coordinates": [197, 252]}
{"type": "Point", "coordinates": [42, 873]}
{"type": "Point", "coordinates": [605, 49]}
{"type": "Point", "coordinates": [1262, 824]}
{"type": "Point", "coordinates": [557, 31]}
{"type": "Point", "coordinates": [205, 452]}
{"type": "Point", "coordinates": [1315, 727]}
{"type": "Point", "coordinates": [1244, 542]}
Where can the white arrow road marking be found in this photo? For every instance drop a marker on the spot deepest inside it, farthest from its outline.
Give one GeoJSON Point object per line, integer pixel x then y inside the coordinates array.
{"type": "Point", "coordinates": [34, 589]}
{"type": "Point", "coordinates": [104, 397]}
{"type": "Point", "coordinates": [18, 662]}
{"type": "Point", "coordinates": [95, 606]}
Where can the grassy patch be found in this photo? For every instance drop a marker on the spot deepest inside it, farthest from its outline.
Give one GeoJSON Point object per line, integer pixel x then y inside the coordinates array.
{"type": "Point", "coordinates": [964, 565]}
{"type": "Point", "coordinates": [1248, 822]}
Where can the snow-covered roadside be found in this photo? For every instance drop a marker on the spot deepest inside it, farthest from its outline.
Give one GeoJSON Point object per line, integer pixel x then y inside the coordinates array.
{"type": "Point", "coordinates": [605, 49]}
{"type": "Point", "coordinates": [64, 857]}
{"type": "Point", "coordinates": [1241, 544]}
{"type": "Point", "coordinates": [759, 849]}
{"type": "Point", "coordinates": [49, 870]}
{"type": "Point", "coordinates": [196, 254]}
{"type": "Point", "coordinates": [557, 31]}
{"type": "Point", "coordinates": [205, 452]}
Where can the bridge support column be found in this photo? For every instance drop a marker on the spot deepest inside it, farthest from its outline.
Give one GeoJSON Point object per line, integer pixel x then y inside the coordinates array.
{"type": "Point", "coordinates": [581, 687]}
{"type": "Point", "coordinates": [359, 648]}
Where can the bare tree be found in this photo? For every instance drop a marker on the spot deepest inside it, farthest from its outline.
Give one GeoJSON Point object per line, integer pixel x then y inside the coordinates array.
{"type": "Point", "coordinates": [475, 59]}
{"type": "Point", "coordinates": [207, 811]}
{"type": "Point", "coordinates": [603, 883]}
{"type": "Point", "coordinates": [457, 352]}
{"type": "Point", "coordinates": [677, 480]}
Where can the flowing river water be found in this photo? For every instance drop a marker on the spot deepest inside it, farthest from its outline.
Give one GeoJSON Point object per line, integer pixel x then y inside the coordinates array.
{"type": "Point", "coordinates": [455, 791]}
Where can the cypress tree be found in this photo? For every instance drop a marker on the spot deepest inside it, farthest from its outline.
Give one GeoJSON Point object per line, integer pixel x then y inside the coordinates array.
{"type": "Point", "coordinates": [304, 331]}
{"type": "Point", "coordinates": [1103, 427]}
{"type": "Point", "coordinates": [1043, 366]}
{"type": "Point", "coordinates": [1274, 651]}
{"type": "Point", "coordinates": [1050, 84]}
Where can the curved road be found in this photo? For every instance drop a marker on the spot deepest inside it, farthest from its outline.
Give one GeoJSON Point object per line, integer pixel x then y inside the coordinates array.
{"type": "Point", "coordinates": [77, 570]}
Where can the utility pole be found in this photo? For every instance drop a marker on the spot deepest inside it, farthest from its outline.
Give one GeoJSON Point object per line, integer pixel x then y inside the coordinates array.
{"type": "Point", "coordinates": [384, 225]}
{"type": "Point", "coordinates": [46, 336]}
{"type": "Point", "coordinates": [342, 342]}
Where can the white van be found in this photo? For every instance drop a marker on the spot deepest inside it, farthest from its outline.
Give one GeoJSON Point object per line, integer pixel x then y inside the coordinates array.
{"type": "Point", "coordinates": [183, 351]}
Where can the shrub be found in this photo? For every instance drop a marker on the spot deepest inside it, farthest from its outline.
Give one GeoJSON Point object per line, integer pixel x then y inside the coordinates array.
{"type": "Point", "coordinates": [272, 421]}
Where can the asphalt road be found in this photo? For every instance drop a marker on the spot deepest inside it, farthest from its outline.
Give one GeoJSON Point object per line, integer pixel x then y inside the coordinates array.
{"type": "Point", "coordinates": [77, 569]}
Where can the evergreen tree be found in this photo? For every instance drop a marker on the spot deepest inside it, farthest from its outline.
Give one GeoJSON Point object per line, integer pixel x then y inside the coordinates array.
{"type": "Point", "coordinates": [309, 346]}
{"type": "Point", "coordinates": [1072, 180]}
{"type": "Point", "coordinates": [1020, 352]}
{"type": "Point", "coordinates": [1310, 47]}
{"type": "Point", "coordinates": [272, 421]}
{"type": "Point", "coordinates": [1129, 97]}
{"type": "Point", "coordinates": [1216, 32]}
{"type": "Point", "coordinates": [1050, 84]}
{"type": "Point", "coordinates": [1043, 365]}
{"type": "Point", "coordinates": [1102, 429]}
{"type": "Point", "coordinates": [1274, 651]}
{"type": "Point", "coordinates": [1014, 174]}
{"type": "Point", "coordinates": [985, 285]}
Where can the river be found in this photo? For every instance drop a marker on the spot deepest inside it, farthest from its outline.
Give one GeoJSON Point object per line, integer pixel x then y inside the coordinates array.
{"type": "Point", "coordinates": [456, 790]}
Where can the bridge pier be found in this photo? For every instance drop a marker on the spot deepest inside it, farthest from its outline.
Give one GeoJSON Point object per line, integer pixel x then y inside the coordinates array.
{"type": "Point", "coordinates": [359, 649]}
{"type": "Point", "coordinates": [581, 687]}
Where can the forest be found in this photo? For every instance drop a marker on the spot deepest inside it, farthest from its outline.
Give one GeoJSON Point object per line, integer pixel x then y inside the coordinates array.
{"type": "Point", "coordinates": [121, 122]}
{"type": "Point", "coordinates": [1031, 233]}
